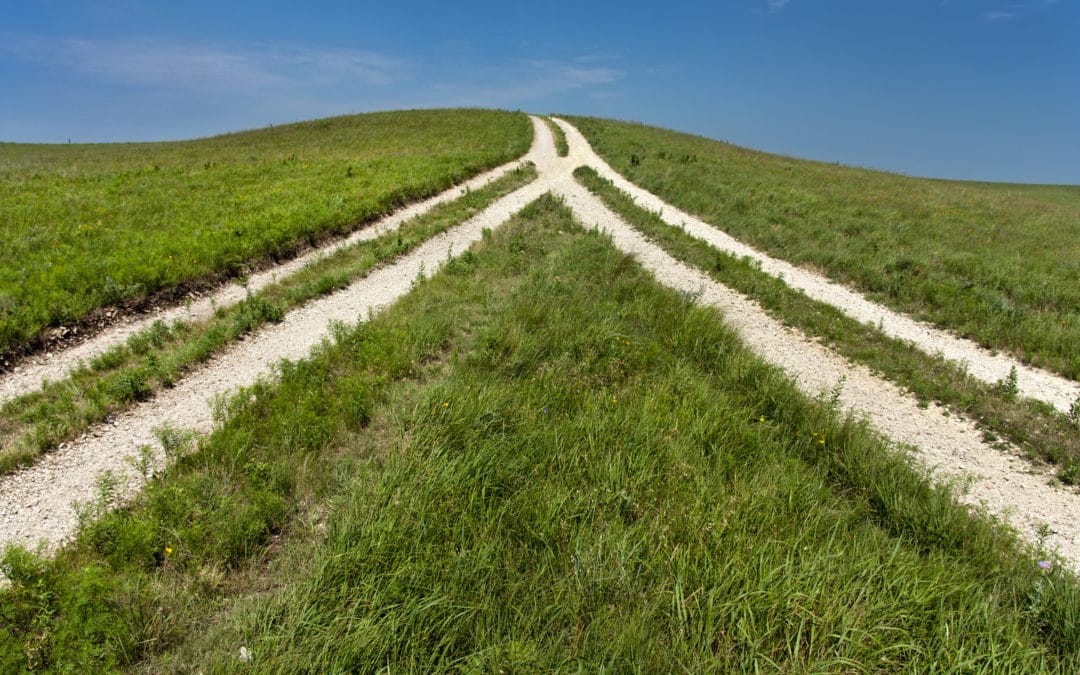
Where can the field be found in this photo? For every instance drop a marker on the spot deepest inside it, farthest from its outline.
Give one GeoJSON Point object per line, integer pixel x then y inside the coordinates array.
{"type": "Point", "coordinates": [1029, 195]}
{"type": "Point", "coordinates": [1038, 430]}
{"type": "Point", "coordinates": [452, 487]}
{"type": "Point", "coordinates": [35, 423]}
{"type": "Point", "coordinates": [89, 226]}
{"type": "Point", "coordinates": [538, 458]}
{"type": "Point", "coordinates": [997, 263]}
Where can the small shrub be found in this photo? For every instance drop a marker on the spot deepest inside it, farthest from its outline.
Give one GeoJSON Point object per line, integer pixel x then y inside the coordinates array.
{"type": "Point", "coordinates": [1069, 474]}
{"type": "Point", "coordinates": [174, 442]}
{"type": "Point", "coordinates": [1009, 387]}
{"type": "Point", "coordinates": [130, 385]}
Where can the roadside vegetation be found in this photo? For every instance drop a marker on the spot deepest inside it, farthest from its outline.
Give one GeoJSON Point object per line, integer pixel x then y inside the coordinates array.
{"type": "Point", "coordinates": [1036, 428]}
{"type": "Point", "coordinates": [538, 459]}
{"type": "Point", "coordinates": [995, 263]}
{"type": "Point", "coordinates": [89, 226]}
{"type": "Point", "coordinates": [159, 356]}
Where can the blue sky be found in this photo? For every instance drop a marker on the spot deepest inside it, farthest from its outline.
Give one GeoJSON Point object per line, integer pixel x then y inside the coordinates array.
{"type": "Point", "coordinates": [977, 89]}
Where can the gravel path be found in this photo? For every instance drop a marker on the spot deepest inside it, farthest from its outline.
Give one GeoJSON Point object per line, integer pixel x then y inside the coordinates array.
{"type": "Point", "coordinates": [982, 364]}
{"type": "Point", "coordinates": [35, 504]}
{"type": "Point", "coordinates": [30, 373]}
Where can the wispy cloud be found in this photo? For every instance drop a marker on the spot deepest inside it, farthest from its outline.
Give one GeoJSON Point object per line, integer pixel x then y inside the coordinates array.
{"type": "Point", "coordinates": [209, 87]}
{"type": "Point", "coordinates": [1017, 10]}
{"type": "Point", "coordinates": [521, 81]}
{"type": "Point", "coordinates": [207, 67]}
{"type": "Point", "coordinates": [777, 5]}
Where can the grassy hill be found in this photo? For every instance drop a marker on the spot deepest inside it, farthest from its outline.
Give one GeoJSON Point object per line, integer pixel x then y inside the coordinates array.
{"type": "Point", "coordinates": [539, 459]}
{"type": "Point", "coordinates": [86, 226]}
{"type": "Point", "coordinates": [998, 263]}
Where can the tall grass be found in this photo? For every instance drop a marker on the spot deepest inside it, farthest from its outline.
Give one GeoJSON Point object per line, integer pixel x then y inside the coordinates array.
{"type": "Point", "coordinates": [86, 226]}
{"type": "Point", "coordinates": [999, 264]}
{"type": "Point", "coordinates": [540, 460]}
{"type": "Point", "coordinates": [1030, 196]}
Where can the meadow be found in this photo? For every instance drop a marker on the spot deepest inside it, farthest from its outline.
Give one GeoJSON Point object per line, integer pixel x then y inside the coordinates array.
{"type": "Point", "coordinates": [1036, 428]}
{"type": "Point", "coordinates": [997, 263]}
{"type": "Point", "coordinates": [35, 423]}
{"type": "Point", "coordinates": [539, 459]}
{"type": "Point", "coordinates": [91, 226]}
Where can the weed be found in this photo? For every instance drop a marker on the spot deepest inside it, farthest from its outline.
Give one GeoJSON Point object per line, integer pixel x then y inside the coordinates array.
{"type": "Point", "coordinates": [130, 385]}
{"type": "Point", "coordinates": [1069, 473]}
{"type": "Point", "coordinates": [832, 400]}
{"type": "Point", "coordinates": [174, 442]}
{"type": "Point", "coordinates": [106, 498]}
{"type": "Point", "coordinates": [143, 463]}
{"type": "Point", "coordinates": [1009, 387]}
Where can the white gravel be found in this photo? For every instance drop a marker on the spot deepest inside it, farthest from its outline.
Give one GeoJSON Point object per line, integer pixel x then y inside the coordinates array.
{"type": "Point", "coordinates": [35, 504]}
{"type": "Point", "coordinates": [32, 371]}
{"type": "Point", "coordinates": [981, 363]}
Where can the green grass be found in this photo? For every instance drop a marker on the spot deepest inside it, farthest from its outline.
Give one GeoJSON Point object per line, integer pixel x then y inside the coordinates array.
{"type": "Point", "coordinates": [1000, 265]}
{"type": "Point", "coordinates": [85, 226]}
{"type": "Point", "coordinates": [562, 148]}
{"type": "Point", "coordinates": [161, 355]}
{"type": "Point", "coordinates": [1029, 196]}
{"type": "Point", "coordinates": [539, 460]}
{"type": "Point", "coordinates": [1035, 427]}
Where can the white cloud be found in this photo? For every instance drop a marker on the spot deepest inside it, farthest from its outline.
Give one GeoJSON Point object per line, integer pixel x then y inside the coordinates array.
{"type": "Point", "coordinates": [999, 15]}
{"type": "Point", "coordinates": [208, 67]}
{"type": "Point", "coordinates": [777, 5]}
